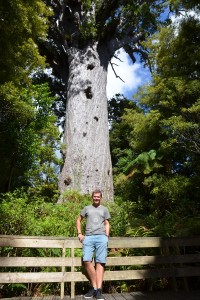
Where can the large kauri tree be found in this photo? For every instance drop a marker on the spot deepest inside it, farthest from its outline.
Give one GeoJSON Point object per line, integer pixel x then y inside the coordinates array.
{"type": "Point", "coordinates": [83, 37]}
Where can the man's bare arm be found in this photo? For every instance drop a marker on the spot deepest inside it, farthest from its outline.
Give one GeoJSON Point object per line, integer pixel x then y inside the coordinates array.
{"type": "Point", "coordinates": [107, 226]}
{"type": "Point", "coordinates": [78, 227]}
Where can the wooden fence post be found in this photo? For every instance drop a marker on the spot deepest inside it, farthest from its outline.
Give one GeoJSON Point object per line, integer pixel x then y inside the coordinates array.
{"type": "Point", "coordinates": [62, 287]}
{"type": "Point", "coordinates": [72, 270]}
{"type": "Point", "coordinates": [167, 252]}
{"type": "Point", "coordinates": [177, 251]}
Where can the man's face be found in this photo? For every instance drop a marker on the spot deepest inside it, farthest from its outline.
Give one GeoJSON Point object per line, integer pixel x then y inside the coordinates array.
{"type": "Point", "coordinates": [96, 199]}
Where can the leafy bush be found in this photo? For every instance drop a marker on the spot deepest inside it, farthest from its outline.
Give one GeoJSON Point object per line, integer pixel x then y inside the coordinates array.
{"type": "Point", "coordinates": [20, 215]}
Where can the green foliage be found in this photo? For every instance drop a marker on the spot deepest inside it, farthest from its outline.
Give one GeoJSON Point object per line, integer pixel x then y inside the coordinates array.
{"type": "Point", "coordinates": [26, 119]}
{"type": "Point", "coordinates": [22, 23]}
{"type": "Point", "coordinates": [29, 137]}
{"type": "Point", "coordinates": [88, 29]}
{"type": "Point", "coordinates": [15, 289]}
{"type": "Point", "coordinates": [185, 64]}
{"type": "Point", "coordinates": [145, 162]}
{"type": "Point", "coordinates": [180, 5]}
{"type": "Point", "coordinates": [116, 107]}
{"type": "Point", "coordinates": [23, 213]}
{"type": "Point", "coordinates": [155, 148]}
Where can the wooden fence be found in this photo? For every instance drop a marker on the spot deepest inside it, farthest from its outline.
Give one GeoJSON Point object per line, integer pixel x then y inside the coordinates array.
{"type": "Point", "coordinates": [161, 258]}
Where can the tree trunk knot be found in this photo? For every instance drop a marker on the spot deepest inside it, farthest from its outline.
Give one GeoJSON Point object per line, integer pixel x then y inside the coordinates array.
{"type": "Point", "coordinates": [90, 66]}
{"type": "Point", "coordinates": [88, 92]}
{"type": "Point", "coordinates": [67, 180]}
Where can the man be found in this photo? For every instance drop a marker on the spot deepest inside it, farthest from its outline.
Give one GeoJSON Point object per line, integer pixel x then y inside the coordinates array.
{"type": "Point", "coordinates": [95, 240]}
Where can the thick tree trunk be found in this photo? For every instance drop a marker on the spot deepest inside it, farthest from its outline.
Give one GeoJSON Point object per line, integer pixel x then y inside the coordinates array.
{"type": "Point", "coordinates": [87, 163]}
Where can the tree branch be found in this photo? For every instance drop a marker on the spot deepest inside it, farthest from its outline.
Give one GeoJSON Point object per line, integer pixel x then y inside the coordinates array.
{"type": "Point", "coordinates": [115, 72]}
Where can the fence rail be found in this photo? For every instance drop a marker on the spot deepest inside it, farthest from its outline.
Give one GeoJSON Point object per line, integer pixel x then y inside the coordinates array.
{"type": "Point", "coordinates": [173, 257]}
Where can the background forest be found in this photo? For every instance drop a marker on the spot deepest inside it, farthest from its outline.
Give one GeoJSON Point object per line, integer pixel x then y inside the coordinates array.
{"type": "Point", "coordinates": [154, 137]}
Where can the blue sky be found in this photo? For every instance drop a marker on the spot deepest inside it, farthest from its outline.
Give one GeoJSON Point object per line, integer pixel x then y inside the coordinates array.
{"type": "Point", "coordinates": [133, 75]}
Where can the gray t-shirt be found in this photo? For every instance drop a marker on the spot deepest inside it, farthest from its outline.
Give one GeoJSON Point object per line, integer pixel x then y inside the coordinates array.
{"type": "Point", "coordinates": [95, 217]}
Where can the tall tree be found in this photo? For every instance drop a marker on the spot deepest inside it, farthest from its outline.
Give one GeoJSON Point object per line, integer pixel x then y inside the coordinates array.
{"type": "Point", "coordinates": [83, 37]}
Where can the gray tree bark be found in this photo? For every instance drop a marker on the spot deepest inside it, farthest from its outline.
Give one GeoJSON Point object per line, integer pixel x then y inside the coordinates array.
{"type": "Point", "coordinates": [87, 162]}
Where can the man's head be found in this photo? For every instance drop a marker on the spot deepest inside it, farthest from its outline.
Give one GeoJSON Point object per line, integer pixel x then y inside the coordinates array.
{"type": "Point", "coordinates": [96, 197]}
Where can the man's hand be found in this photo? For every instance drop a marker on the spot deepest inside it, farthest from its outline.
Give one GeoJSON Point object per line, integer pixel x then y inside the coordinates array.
{"type": "Point", "coordinates": [81, 237]}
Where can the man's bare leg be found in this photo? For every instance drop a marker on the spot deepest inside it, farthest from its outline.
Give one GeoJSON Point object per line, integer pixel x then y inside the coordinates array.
{"type": "Point", "coordinates": [99, 274]}
{"type": "Point", "coordinates": [91, 272]}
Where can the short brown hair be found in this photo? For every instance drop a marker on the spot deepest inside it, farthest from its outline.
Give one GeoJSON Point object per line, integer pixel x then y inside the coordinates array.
{"type": "Point", "coordinates": [97, 192]}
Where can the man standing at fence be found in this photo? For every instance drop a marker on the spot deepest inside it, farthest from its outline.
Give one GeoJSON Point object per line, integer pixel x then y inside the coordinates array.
{"type": "Point", "coordinates": [95, 240]}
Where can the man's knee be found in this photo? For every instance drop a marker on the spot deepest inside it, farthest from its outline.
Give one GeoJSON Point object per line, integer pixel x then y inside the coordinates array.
{"type": "Point", "coordinates": [100, 264]}
{"type": "Point", "coordinates": [87, 264]}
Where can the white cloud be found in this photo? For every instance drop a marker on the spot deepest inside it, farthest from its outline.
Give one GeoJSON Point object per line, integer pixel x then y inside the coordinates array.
{"type": "Point", "coordinates": [185, 14]}
{"type": "Point", "coordinates": [133, 76]}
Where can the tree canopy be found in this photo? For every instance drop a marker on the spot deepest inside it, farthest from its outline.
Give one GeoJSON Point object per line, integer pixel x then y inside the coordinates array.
{"type": "Point", "coordinates": [117, 24]}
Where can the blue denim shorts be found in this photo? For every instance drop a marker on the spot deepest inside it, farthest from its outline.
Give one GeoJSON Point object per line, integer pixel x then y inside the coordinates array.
{"type": "Point", "coordinates": [96, 245]}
